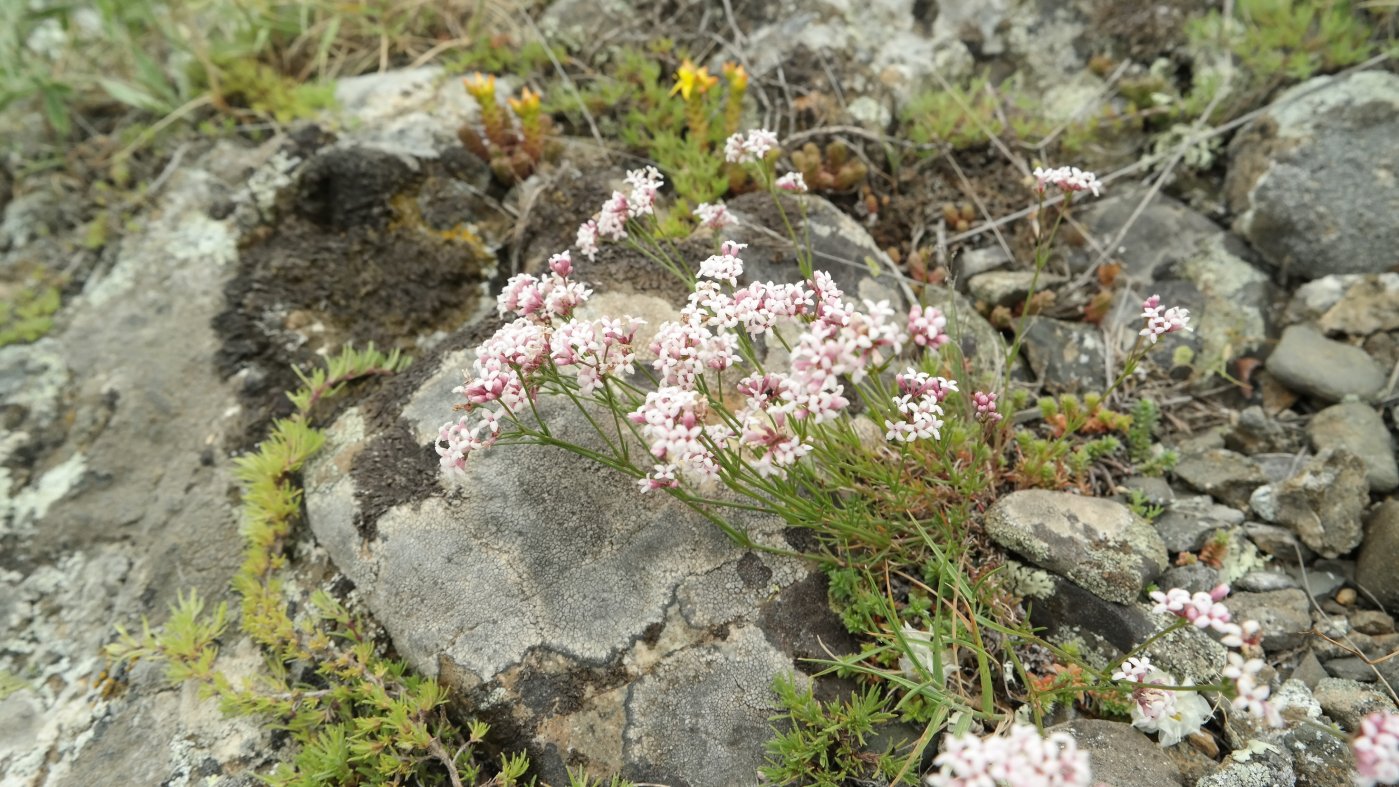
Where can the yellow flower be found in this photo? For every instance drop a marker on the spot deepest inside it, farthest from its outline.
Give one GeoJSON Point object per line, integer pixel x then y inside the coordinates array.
{"type": "Point", "coordinates": [689, 80]}
{"type": "Point", "coordinates": [480, 86]}
{"type": "Point", "coordinates": [527, 103]}
{"type": "Point", "coordinates": [738, 78]}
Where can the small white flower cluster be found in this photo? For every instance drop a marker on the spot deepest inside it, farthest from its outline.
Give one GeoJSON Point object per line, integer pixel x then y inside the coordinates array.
{"type": "Point", "coordinates": [1251, 695]}
{"type": "Point", "coordinates": [793, 182]}
{"type": "Point", "coordinates": [1019, 759]}
{"type": "Point", "coordinates": [611, 221]}
{"type": "Point", "coordinates": [1171, 714]}
{"type": "Point", "coordinates": [746, 149]}
{"type": "Point", "coordinates": [920, 405]}
{"type": "Point", "coordinates": [542, 300]}
{"type": "Point", "coordinates": [1160, 322]}
{"type": "Point", "coordinates": [1376, 750]}
{"type": "Point", "coordinates": [1068, 179]}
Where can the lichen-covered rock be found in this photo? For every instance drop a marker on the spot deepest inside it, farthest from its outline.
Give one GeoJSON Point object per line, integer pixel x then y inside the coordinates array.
{"type": "Point", "coordinates": [1324, 501]}
{"type": "Point", "coordinates": [1311, 180]}
{"type": "Point", "coordinates": [1098, 544]}
{"type": "Point", "coordinates": [1347, 701]}
{"type": "Point", "coordinates": [1067, 357]}
{"type": "Point", "coordinates": [1353, 305]}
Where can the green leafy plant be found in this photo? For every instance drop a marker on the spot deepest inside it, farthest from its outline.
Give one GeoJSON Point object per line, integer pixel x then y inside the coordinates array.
{"type": "Point", "coordinates": [824, 743]}
{"type": "Point", "coordinates": [357, 717]}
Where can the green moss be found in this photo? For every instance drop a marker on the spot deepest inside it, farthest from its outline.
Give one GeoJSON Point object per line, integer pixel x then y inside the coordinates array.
{"type": "Point", "coordinates": [259, 87]}
{"type": "Point", "coordinates": [27, 314]}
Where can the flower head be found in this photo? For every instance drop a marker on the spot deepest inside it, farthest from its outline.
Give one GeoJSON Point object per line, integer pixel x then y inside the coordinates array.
{"type": "Point", "coordinates": [1068, 179]}
{"type": "Point", "coordinates": [744, 149]}
{"type": "Point", "coordinates": [715, 216]}
{"type": "Point", "coordinates": [792, 181]}
{"type": "Point", "coordinates": [1160, 322]}
{"type": "Point", "coordinates": [1376, 750]}
{"type": "Point", "coordinates": [1021, 757]}
{"type": "Point", "coordinates": [691, 80]}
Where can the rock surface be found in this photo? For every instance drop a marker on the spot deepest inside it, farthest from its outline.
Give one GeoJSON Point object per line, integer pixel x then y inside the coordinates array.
{"type": "Point", "coordinates": [1121, 755]}
{"type": "Point", "coordinates": [1098, 544]}
{"type": "Point", "coordinates": [1359, 429]}
{"type": "Point", "coordinates": [1310, 363]}
{"type": "Point", "coordinates": [1312, 180]}
{"type": "Point", "coordinates": [1323, 502]}
{"type": "Point", "coordinates": [1379, 554]}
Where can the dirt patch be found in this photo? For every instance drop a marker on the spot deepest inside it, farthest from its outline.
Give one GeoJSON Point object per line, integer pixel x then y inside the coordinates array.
{"type": "Point", "coordinates": [352, 261]}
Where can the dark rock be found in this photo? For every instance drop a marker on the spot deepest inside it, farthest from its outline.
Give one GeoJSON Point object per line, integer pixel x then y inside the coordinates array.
{"type": "Point", "coordinates": [1284, 614]}
{"type": "Point", "coordinates": [1121, 756]}
{"type": "Point", "coordinates": [1379, 555]}
{"type": "Point", "coordinates": [1227, 476]}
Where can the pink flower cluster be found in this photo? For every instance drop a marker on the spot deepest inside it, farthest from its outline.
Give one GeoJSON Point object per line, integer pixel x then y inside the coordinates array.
{"type": "Point", "coordinates": [1206, 610]}
{"type": "Point", "coordinates": [504, 376]}
{"type": "Point", "coordinates": [1019, 759]}
{"type": "Point", "coordinates": [714, 217]}
{"type": "Point", "coordinates": [1160, 322]}
{"type": "Point", "coordinates": [754, 146]}
{"type": "Point", "coordinates": [792, 181]}
{"type": "Point", "coordinates": [610, 223]}
{"type": "Point", "coordinates": [1068, 179]}
{"type": "Point", "coordinates": [1376, 750]}
{"type": "Point", "coordinates": [920, 405]}
{"type": "Point", "coordinates": [542, 300]}
{"type": "Point", "coordinates": [927, 326]}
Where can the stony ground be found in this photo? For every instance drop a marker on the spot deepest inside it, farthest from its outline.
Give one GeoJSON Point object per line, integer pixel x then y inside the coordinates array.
{"type": "Point", "coordinates": [595, 627]}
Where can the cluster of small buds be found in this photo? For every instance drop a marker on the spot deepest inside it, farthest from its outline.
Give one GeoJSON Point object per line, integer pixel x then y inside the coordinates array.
{"type": "Point", "coordinates": [985, 404]}
{"type": "Point", "coordinates": [1205, 610]}
{"type": "Point", "coordinates": [1067, 179]}
{"type": "Point", "coordinates": [744, 149]}
{"type": "Point", "coordinates": [1376, 750]}
{"type": "Point", "coordinates": [610, 223]}
{"type": "Point", "coordinates": [1019, 759]}
{"type": "Point", "coordinates": [1172, 715]}
{"type": "Point", "coordinates": [792, 181]}
{"type": "Point", "coordinates": [1160, 322]}
{"type": "Point", "coordinates": [715, 216]}
{"type": "Point", "coordinates": [1250, 694]}
{"type": "Point", "coordinates": [927, 326]}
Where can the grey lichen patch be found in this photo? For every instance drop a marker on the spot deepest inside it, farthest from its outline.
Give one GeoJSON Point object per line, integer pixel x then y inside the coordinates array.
{"type": "Point", "coordinates": [1098, 544]}
{"type": "Point", "coordinates": [701, 717]}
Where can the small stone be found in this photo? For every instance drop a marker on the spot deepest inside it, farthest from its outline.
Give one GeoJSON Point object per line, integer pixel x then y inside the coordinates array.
{"type": "Point", "coordinates": [1153, 489]}
{"type": "Point", "coordinates": [1284, 614]}
{"type": "Point", "coordinates": [1351, 668]}
{"type": "Point", "coordinates": [1196, 578]}
{"type": "Point", "coordinates": [1256, 765]}
{"type": "Point", "coordinates": [1278, 543]}
{"type": "Point", "coordinates": [1375, 565]}
{"type": "Point", "coordinates": [1345, 596]}
{"type": "Point", "coordinates": [1310, 363]}
{"type": "Point", "coordinates": [1256, 432]}
{"type": "Point", "coordinates": [1182, 532]}
{"type": "Point", "coordinates": [1309, 670]}
{"type": "Point", "coordinates": [1121, 755]}
{"type": "Point", "coordinates": [1358, 428]}
{"type": "Point", "coordinates": [1099, 544]}
{"type": "Point", "coordinates": [1264, 581]}
{"type": "Point", "coordinates": [1369, 621]}
{"type": "Point", "coordinates": [1347, 701]}
{"type": "Point", "coordinates": [1007, 288]}
{"type": "Point", "coordinates": [1227, 476]}
{"type": "Point", "coordinates": [1323, 503]}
